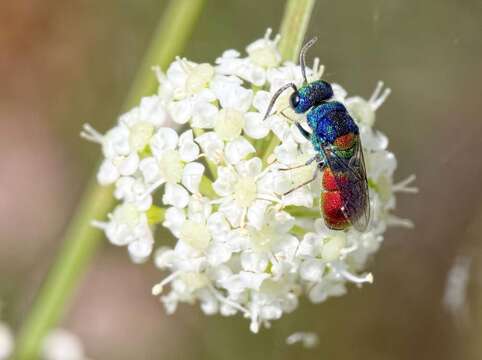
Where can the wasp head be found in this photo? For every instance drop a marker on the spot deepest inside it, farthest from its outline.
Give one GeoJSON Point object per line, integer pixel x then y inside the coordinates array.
{"type": "Point", "coordinates": [310, 95]}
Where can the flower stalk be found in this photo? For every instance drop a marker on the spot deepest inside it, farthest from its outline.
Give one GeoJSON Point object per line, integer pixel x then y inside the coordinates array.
{"type": "Point", "coordinates": [294, 24]}
{"type": "Point", "coordinates": [81, 240]}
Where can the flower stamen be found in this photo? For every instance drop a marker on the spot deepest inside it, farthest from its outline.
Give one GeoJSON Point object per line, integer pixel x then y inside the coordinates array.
{"type": "Point", "coordinates": [90, 134]}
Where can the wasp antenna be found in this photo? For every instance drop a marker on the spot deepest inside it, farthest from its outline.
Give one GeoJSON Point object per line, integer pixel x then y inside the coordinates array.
{"type": "Point", "coordinates": [276, 96]}
{"type": "Point", "coordinates": [302, 57]}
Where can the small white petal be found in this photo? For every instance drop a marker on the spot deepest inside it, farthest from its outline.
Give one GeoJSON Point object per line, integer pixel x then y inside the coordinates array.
{"type": "Point", "coordinates": [218, 226]}
{"type": "Point", "coordinates": [180, 111]}
{"type": "Point", "coordinates": [150, 170]}
{"type": "Point", "coordinates": [224, 184]}
{"type": "Point", "coordinates": [116, 142]}
{"type": "Point", "coordinates": [261, 101]}
{"type": "Point", "coordinates": [175, 195]}
{"type": "Point", "coordinates": [249, 168]}
{"type": "Point", "coordinates": [256, 213]}
{"type": "Point", "coordinates": [140, 250]}
{"type": "Point", "coordinates": [218, 254]}
{"type": "Point", "coordinates": [232, 212]}
{"type": "Point", "coordinates": [173, 219]}
{"type": "Point", "coordinates": [188, 149]}
{"type": "Point", "coordinates": [312, 270]}
{"type": "Point", "coordinates": [163, 140]}
{"type": "Point", "coordinates": [209, 306]}
{"type": "Point", "coordinates": [339, 93]}
{"type": "Point", "coordinates": [251, 280]}
{"type": "Point", "coordinates": [286, 247]}
{"type": "Point", "coordinates": [191, 176]}
{"type": "Point", "coordinates": [232, 95]}
{"type": "Point", "coordinates": [238, 149]}
{"type": "Point", "coordinates": [255, 127]}
{"type": "Point", "coordinates": [176, 73]}
{"type": "Point", "coordinates": [163, 257]}
{"type": "Point", "coordinates": [279, 126]}
{"type": "Point", "coordinates": [211, 145]}
{"type": "Point", "coordinates": [152, 110]}
{"type": "Point", "coordinates": [321, 291]}
{"type": "Point", "coordinates": [195, 234]}
{"type": "Point", "coordinates": [255, 262]}
{"type": "Point", "coordinates": [108, 173]}
{"type": "Point", "coordinates": [203, 115]}
{"type": "Point", "coordinates": [129, 165]}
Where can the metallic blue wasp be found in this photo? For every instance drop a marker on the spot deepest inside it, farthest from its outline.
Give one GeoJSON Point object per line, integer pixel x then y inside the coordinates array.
{"type": "Point", "coordinates": [336, 140]}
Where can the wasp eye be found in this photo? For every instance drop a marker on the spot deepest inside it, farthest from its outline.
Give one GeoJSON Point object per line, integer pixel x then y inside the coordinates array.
{"type": "Point", "coordinates": [295, 99]}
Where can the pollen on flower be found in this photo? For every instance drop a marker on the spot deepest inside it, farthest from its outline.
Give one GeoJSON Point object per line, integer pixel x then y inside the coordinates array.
{"type": "Point", "coordinates": [245, 191]}
{"type": "Point", "coordinates": [265, 56]}
{"type": "Point", "coordinates": [333, 246]}
{"type": "Point", "coordinates": [140, 135]}
{"type": "Point", "coordinates": [194, 280]}
{"type": "Point", "coordinates": [247, 235]}
{"type": "Point", "coordinates": [198, 78]}
{"type": "Point", "coordinates": [171, 166]}
{"type": "Point", "coordinates": [127, 214]}
{"type": "Point", "coordinates": [264, 52]}
{"type": "Point", "coordinates": [229, 124]}
{"type": "Point", "coordinates": [195, 234]}
{"type": "Point", "coordinates": [261, 239]}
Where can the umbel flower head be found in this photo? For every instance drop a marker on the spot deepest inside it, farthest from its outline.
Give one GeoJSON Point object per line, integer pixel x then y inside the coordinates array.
{"type": "Point", "coordinates": [239, 245]}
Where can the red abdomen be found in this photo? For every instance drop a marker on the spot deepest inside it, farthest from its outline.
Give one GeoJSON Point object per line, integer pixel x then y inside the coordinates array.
{"type": "Point", "coordinates": [332, 202]}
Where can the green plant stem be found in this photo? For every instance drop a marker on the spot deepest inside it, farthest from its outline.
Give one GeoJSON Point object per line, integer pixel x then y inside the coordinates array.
{"type": "Point", "coordinates": [81, 239]}
{"type": "Point", "coordinates": [295, 22]}
{"type": "Point", "coordinates": [293, 27]}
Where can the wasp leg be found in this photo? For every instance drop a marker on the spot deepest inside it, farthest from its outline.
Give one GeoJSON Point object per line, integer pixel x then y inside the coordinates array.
{"type": "Point", "coordinates": [321, 164]}
{"type": "Point", "coordinates": [303, 132]}
{"type": "Point", "coordinates": [303, 184]}
{"type": "Point", "coordinates": [308, 162]}
{"type": "Point", "coordinates": [282, 112]}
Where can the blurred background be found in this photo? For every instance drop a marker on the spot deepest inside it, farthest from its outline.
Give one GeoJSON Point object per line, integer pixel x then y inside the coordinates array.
{"type": "Point", "coordinates": [65, 63]}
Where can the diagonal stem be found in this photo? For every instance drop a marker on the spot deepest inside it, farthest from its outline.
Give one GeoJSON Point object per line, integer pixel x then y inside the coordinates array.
{"type": "Point", "coordinates": [81, 240]}
{"type": "Point", "coordinates": [295, 22]}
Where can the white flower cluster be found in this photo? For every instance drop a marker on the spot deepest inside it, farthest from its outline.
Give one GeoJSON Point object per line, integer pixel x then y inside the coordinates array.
{"type": "Point", "coordinates": [240, 245]}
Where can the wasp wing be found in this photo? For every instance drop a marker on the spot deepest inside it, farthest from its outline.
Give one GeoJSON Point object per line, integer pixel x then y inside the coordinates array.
{"type": "Point", "coordinates": [351, 180]}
